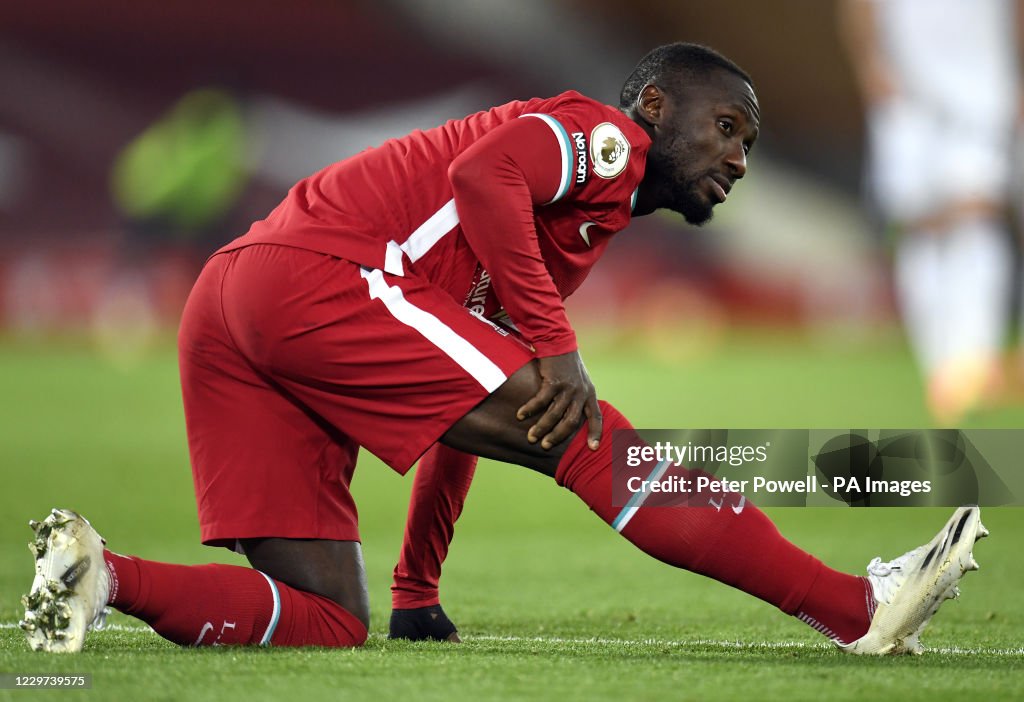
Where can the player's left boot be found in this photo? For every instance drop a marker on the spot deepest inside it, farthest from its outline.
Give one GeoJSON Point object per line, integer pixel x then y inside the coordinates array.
{"type": "Point", "coordinates": [423, 624]}
{"type": "Point", "coordinates": [909, 590]}
{"type": "Point", "coordinates": [69, 592]}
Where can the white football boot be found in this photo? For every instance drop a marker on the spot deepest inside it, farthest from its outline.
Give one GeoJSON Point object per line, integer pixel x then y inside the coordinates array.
{"type": "Point", "coordinates": [69, 593]}
{"type": "Point", "coordinates": [909, 590]}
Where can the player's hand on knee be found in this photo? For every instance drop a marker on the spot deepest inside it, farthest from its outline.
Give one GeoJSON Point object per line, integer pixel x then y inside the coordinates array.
{"type": "Point", "coordinates": [564, 398]}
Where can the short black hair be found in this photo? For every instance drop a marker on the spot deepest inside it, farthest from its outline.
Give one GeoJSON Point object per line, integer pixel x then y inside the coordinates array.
{"type": "Point", "coordinates": [672, 65]}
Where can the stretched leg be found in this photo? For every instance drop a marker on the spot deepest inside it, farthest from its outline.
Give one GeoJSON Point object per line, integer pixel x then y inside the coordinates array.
{"type": "Point", "coordinates": [439, 490]}
{"type": "Point", "coordinates": [739, 547]}
{"type": "Point", "coordinates": [728, 539]}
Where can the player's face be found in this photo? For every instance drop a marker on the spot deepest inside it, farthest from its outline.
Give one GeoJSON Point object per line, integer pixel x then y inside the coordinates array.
{"type": "Point", "coordinates": [701, 144]}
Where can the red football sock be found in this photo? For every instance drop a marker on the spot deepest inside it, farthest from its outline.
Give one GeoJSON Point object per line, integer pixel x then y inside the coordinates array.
{"type": "Point", "coordinates": [224, 604]}
{"type": "Point", "coordinates": [731, 541]}
{"type": "Point", "coordinates": [439, 489]}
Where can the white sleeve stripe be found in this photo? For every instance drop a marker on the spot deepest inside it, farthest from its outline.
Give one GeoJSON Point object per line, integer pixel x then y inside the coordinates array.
{"type": "Point", "coordinates": [431, 231]}
{"type": "Point", "coordinates": [393, 259]}
{"type": "Point", "coordinates": [566, 148]}
{"type": "Point", "coordinates": [470, 358]}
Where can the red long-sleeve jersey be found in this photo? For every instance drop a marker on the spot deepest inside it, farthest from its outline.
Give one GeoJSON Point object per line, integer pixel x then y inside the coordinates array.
{"type": "Point", "coordinates": [506, 209]}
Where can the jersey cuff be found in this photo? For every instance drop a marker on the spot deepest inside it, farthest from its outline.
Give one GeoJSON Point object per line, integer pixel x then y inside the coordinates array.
{"type": "Point", "coordinates": [555, 347]}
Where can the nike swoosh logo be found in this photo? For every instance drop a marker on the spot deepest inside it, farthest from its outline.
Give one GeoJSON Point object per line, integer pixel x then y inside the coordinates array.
{"type": "Point", "coordinates": [202, 632]}
{"type": "Point", "coordinates": [583, 231]}
{"type": "Point", "coordinates": [737, 508]}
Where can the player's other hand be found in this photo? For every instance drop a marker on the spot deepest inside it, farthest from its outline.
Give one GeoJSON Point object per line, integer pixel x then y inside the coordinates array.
{"type": "Point", "coordinates": [564, 398]}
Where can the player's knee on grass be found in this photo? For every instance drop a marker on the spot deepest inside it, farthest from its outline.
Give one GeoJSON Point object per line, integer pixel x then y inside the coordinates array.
{"type": "Point", "coordinates": [331, 569]}
{"type": "Point", "coordinates": [491, 429]}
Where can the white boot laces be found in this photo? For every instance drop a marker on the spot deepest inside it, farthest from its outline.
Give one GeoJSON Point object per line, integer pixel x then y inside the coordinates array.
{"type": "Point", "coordinates": [881, 570]}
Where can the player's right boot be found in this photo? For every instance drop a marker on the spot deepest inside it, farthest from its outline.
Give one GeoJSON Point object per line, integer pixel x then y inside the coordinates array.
{"type": "Point", "coordinates": [909, 590]}
{"type": "Point", "coordinates": [69, 592]}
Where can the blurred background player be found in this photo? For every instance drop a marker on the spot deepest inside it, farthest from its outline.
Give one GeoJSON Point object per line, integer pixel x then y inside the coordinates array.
{"type": "Point", "coordinates": [941, 85]}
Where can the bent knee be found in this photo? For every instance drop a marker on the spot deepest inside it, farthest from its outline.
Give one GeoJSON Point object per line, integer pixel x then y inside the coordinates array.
{"type": "Point", "coordinates": [492, 430]}
{"type": "Point", "coordinates": [349, 626]}
{"type": "Point", "coordinates": [360, 640]}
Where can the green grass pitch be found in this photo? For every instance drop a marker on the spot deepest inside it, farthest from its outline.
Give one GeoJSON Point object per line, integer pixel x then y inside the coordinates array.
{"type": "Point", "coordinates": [551, 602]}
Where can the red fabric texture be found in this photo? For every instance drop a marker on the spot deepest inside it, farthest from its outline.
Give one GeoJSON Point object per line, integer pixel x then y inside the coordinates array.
{"type": "Point", "coordinates": [496, 184]}
{"type": "Point", "coordinates": [217, 605]}
{"type": "Point", "coordinates": [288, 365]}
{"type": "Point", "coordinates": [502, 168]}
{"type": "Point", "coordinates": [439, 489]}
{"type": "Point", "coordinates": [734, 543]}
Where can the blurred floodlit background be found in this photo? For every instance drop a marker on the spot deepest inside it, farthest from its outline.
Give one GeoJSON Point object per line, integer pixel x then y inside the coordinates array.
{"type": "Point", "coordinates": [136, 137]}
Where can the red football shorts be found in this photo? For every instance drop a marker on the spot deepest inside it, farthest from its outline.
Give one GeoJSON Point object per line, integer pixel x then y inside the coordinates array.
{"type": "Point", "coordinates": [290, 360]}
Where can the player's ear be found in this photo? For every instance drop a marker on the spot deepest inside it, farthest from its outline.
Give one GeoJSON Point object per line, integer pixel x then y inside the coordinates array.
{"type": "Point", "coordinates": [649, 104]}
